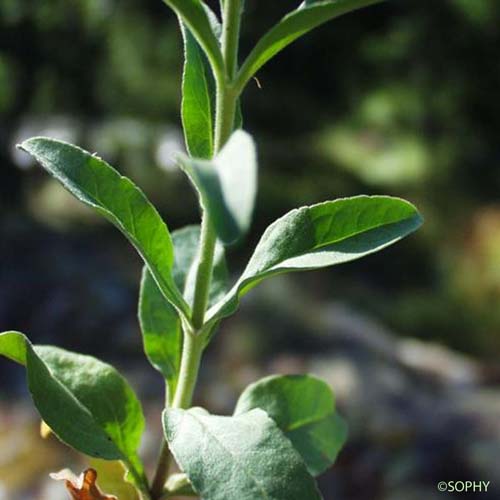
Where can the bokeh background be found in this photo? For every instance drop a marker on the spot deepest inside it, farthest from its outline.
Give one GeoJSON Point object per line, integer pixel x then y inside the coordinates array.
{"type": "Point", "coordinates": [400, 98]}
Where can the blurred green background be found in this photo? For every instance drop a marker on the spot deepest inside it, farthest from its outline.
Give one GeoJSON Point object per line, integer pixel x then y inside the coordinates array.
{"type": "Point", "coordinates": [400, 99]}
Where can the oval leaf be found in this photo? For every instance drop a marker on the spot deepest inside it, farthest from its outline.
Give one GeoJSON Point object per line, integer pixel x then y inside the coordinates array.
{"type": "Point", "coordinates": [227, 185]}
{"type": "Point", "coordinates": [245, 457]}
{"type": "Point", "coordinates": [196, 18]}
{"type": "Point", "coordinates": [98, 185]}
{"type": "Point", "coordinates": [303, 407]}
{"type": "Point", "coordinates": [85, 402]}
{"type": "Point", "coordinates": [323, 235]}
{"type": "Point", "coordinates": [160, 323]}
{"type": "Point", "coordinates": [306, 17]}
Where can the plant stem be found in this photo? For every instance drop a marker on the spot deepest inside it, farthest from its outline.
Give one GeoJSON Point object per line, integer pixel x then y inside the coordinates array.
{"type": "Point", "coordinates": [226, 100]}
{"type": "Point", "coordinates": [190, 365]}
{"type": "Point", "coordinates": [161, 473]}
{"type": "Point", "coordinates": [230, 35]}
{"type": "Point", "coordinates": [192, 350]}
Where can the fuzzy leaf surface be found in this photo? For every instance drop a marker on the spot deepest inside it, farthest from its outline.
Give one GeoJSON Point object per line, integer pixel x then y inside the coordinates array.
{"type": "Point", "coordinates": [245, 457]}
{"type": "Point", "coordinates": [194, 15]}
{"type": "Point", "coordinates": [303, 407]}
{"type": "Point", "coordinates": [227, 185]}
{"type": "Point", "coordinates": [117, 198]}
{"type": "Point", "coordinates": [85, 402]}
{"type": "Point", "coordinates": [326, 234]}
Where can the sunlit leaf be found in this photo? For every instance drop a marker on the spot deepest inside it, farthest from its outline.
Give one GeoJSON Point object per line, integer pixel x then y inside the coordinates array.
{"type": "Point", "coordinates": [306, 17]}
{"type": "Point", "coordinates": [245, 457]}
{"type": "Point", "coordinates": [86, 403]}
{"type": "Point", "coordinates": [303, 407]}
{"type": "Point", "coordinates": [227, 185]}
{"type": "Point", "coordinates": [97, 184]}
{"type": "Point", "coordinates": [326, 234]}
{"type": "Point", "coordinates": [194, 15]}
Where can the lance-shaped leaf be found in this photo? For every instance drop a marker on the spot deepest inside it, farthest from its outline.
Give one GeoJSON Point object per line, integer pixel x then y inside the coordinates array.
{"type": "Point", "coordinates": [85, 402]}
{"type": "Point", "coordinates": [160, 323]}
{"type": "Point", "coordinates": [98, 185]}
{"type": "Point", "coordinates": [306, 17]}
{"type": "Point", "coordinates": [303, 407]}
{"type": "Point", "coordinates": [245, 457]}
{"type": "Point", "coordinates": [198, 94]}
{"type": "Point", "coordinates": [227, 185]}
{"type": "Point", "coordinates": [197, 99]}
{"type": "Point", "coordinates": [323, 235]}
{"type": "Point", "coordinates": [194, 14]}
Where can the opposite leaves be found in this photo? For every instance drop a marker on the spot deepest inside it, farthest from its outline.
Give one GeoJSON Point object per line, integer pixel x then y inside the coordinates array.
{"type": "Point", "coordinates": [303, 408]}
{"type": "Point", "coordinates": [245, 457]}
{"type": "Point", "coordinates": [98, 185]}
{"type": "Point", "coordinates": [323, 235]}
{"type": "Point", "coordinates": [86, 402]}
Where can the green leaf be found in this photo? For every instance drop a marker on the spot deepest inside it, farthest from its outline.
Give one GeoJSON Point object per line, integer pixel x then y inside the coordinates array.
{"type": "Point", "coordinates": [197, 99]}
{"type": "Point", "coordinates": [303, 407]}
{"type": "Point", "coordinates": [323, 235]}
{"type": "Point", "coordinates": [195, 16]}
{"type": "Point", "coordinates": [160, 323]}
{"type": "Point", "coordinates": [227, 185]}
{"type": "Point", "coordinates": [306, 17]}
{"type": "Point", "coordinates": [161, 331]}
{"type": "Point", "coordinates": [85, 402]}
{"type": "Point", "coordinates": [98, 185]}
{"type": "Point", "coordinates": [245, 457]}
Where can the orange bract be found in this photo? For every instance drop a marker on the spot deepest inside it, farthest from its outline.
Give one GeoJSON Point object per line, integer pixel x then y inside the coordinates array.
{"type": "Point", "coordinates": [83, 487]}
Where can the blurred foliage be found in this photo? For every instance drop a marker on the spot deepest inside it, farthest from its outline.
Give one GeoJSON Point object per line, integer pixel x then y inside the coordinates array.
{"type": "Point", "coordinates": [398, 98]}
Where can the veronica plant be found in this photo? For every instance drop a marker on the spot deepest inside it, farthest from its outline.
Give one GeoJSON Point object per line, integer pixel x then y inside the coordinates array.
{"type": "Point", "coordinates": [285, 429]}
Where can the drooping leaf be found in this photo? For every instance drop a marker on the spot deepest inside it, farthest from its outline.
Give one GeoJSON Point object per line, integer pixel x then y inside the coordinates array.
{"type": "Point", "coordinates": [160, 323]}
{"type": "Point", "coordinates": [303, 407]}
{"type": "Point", "coordinates": [98, 185]}
{"type": "Point", "coordinates": [83, 487]}
{"type": "Point", "coordinates": [87, 403]}
{"type": "Point", "coordinates": [194, 14]}
{"type": "Point", "coordinates": [323, 235]}
{"type": "Point", "coordinates": [245, 457]}
{"type": "Point", "coordinates": [306, 17]}
{"type": "Point", "coordinates": [227, 185]}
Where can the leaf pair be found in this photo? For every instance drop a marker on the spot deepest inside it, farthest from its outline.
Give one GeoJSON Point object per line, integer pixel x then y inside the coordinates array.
{"type": "Point", "coordinates": [284, 430]}
{"type": "Point", "coordinates": [85, 402]}
{"type": "Point", "coordinates": [200, 22]}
